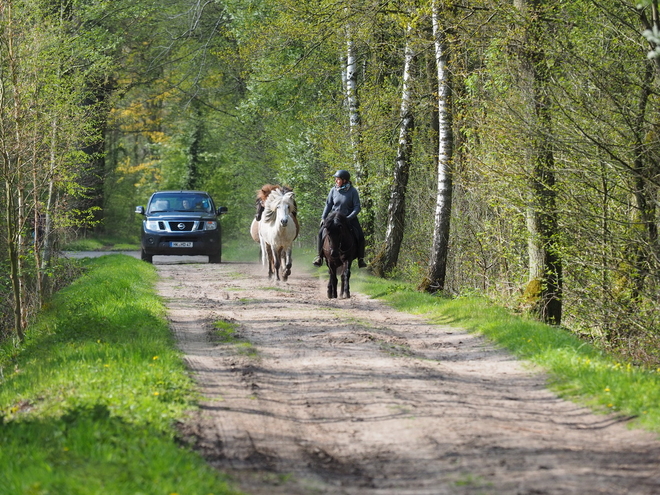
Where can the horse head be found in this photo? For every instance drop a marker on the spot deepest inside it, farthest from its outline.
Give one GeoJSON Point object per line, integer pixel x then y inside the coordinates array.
{"type": "Point", "coordinates": [280, 205]}
{"type": "Point", "coordinates": [338, 231]}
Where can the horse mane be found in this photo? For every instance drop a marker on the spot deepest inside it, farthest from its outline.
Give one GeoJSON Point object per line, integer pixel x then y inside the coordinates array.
{"type": "Point", "coordinates": [334, 220]}
{"type": "Point", "coordinates": [264, 192]}
{"type": "Point", "coordinates": [273, 200]}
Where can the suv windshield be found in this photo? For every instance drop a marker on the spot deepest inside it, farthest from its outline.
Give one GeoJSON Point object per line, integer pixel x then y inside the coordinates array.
{"type": "Point", "coordinates": [180, 202]}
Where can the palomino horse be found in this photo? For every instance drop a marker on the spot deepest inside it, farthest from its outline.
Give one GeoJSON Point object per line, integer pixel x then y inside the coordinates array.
{"type": "Point", "coordinates": [277, 231]}
{"type": "Point", "coordinates": [339, 251]}
{"type": "Point", "coordinates": [262, 195]}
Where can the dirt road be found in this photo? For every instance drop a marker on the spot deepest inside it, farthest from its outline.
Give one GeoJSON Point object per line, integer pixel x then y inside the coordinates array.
{"type": "Point", "coordinates": [323, 396]}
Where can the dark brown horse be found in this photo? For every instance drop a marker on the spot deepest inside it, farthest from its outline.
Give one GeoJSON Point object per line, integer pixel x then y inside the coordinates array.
{"type": "Point", "coordinates": [339, 251]}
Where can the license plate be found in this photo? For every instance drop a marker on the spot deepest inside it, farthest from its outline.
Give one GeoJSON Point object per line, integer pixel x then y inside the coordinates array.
{"type": "Point", "coordinates": [181, 244]}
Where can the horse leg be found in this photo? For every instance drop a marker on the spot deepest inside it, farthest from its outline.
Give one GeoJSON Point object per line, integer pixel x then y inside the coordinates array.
{"type": "Point", "coordinates": [332, 283]}
{"type": "Point", "coordinates": [287, 272]}
{"type": "Point", "coordinates": [277, 261]}
{"type": "Point", "coordinates": [345, 277]}
{"type": "Point", "coordinates": [269, 254]}
{"type": "Point", "coordinates": [264, 252]}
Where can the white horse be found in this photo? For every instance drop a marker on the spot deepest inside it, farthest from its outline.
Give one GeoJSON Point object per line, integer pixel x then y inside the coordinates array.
{"type": "Point", "coordinates": [278, 229]}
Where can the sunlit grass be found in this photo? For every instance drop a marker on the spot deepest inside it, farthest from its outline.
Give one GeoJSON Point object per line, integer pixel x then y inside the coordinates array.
{"type": "Point", "coordinates": [104, 243]}
{"type": "Point", "coordinates": [577, 370]}
{"type": "Point", "coordinates": [89, 404]}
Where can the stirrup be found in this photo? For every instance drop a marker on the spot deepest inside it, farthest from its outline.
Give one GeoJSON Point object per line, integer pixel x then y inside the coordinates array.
{"type": "Point", "coordinates": [318, 261]}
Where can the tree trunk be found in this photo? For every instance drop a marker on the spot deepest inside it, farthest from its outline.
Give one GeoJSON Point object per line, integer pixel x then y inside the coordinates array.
{"type": "Point", "coordinates": [355, 129]}
{"type": "Point", "coordinates": [396, 212]}
{"type": "Point", "coordinates": [13, 253]}
{"type": "Point", "coordinates": [438, 264]}
{"type": "Point", "coordinates": [47, 236]}
{"type": "Point", "coordinates": [92, 176]}
{"type": "Point", "coordinates": [545, 267]}
{"type": "Point", "coordinates": [195, 150]}
{"type": "Point", "coordinates": [10, 140]}
{"type": "Point", "coordinates": [645, 171]}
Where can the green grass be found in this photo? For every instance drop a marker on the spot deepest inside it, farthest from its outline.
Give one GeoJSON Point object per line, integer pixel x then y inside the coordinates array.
{"type": "Point", "coordinates": [88, 405]}
{"type": "Point", "coordinates": [103, 243]}
{"type": "Point", "coordinates": [576, 369]}
{"type": "Point", "coordinates": [227, 332]}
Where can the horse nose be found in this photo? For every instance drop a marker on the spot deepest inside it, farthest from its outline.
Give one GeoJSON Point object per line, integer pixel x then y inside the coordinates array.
{"type": "Point", "coordinates": [285, 221]}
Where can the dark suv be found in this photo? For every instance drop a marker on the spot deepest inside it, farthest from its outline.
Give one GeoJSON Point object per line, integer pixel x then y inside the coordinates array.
{"type": "Point", "coordinates": [183, 223]}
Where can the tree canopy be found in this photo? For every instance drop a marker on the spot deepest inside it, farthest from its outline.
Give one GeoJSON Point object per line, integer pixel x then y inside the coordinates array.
{"type": "Point", "coordinates": [526, 169]}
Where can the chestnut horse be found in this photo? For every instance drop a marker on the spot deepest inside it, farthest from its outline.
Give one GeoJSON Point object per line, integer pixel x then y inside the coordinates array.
{"type": "Point", "coordinates": [339, 251]}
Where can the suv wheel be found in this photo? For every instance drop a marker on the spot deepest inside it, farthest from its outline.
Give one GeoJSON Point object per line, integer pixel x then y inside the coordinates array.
{"type": "Point", "coordinates": [146, 257]}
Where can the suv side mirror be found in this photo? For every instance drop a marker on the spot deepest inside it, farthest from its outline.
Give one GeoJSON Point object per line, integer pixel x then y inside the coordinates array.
{"type": "Point", "coordinates": [139, 209]}
{"type": "Point", "coordinates": [222, 209]}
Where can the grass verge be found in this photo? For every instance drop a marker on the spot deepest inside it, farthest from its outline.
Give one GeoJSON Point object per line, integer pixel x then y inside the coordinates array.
{"type": "Point", "coordinates": [88, 405]}
{"type": "Point", "coordinates": [102, 243]}
{"type": "Point", "coordinates": [576, 369]}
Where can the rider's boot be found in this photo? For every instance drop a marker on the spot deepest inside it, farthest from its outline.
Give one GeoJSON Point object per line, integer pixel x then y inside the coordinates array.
{"type": "Point", "coordinates": [318, 261]}
{"type": "Point", "coordinates": [361, 263]}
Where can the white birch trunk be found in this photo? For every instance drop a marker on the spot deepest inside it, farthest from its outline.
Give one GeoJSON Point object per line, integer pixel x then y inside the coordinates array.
{"type": "Point", "coordinates": [355, 129]}
{"type": "Point", "coordinates": [354, 119]}
{"type": "Point", "coordinates": [438, 263]}
{"type": "Point", "coordinates": [397, 205]}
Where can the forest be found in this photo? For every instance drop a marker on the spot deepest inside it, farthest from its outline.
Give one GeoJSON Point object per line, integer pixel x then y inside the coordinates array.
{"type": "Point", "coordinates": [508, 149]}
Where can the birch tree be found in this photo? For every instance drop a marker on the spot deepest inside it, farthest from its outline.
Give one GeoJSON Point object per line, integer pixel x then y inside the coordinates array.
{"type": "Point", "coordinates": [435, 281]}
{"type": "Point", "coordinates": [396, 212]}
{"type": "Point", "coordinates": [355, 124]}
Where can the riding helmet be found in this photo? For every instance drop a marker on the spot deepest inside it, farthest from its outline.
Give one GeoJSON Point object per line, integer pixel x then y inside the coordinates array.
{"type": "Point", "coordinates": [343, 174]}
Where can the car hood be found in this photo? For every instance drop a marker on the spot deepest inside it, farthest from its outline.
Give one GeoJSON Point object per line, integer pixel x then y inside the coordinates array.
{"type": "Point", "coordinates": [181, 215]}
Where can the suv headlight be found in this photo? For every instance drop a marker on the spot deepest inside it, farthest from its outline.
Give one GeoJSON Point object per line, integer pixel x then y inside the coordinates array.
{"type": "Point", "coordinates": [151, 225]}
{"type": "Point", "coordinates": [210, 225]}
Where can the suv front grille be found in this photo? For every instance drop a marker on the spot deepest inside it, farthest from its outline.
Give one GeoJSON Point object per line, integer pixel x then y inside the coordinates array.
{"type": "Point", "coordinates": [187, 226]}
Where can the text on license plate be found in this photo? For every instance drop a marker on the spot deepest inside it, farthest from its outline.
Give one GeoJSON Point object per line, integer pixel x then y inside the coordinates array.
{"type": "Point", "coordinates": [181, 244]}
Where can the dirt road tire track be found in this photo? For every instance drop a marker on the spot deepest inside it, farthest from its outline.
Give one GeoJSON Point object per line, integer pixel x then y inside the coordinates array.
{"type": "Point", "coordinates": [351, 397]}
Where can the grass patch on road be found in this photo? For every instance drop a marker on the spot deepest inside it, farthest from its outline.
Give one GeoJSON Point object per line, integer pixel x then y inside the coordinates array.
{"type": "Point", "coordinates": [577, 370]}
{"type": "Point", "coordinates": [227, 332]}
{"type": "Point", "coordinates": [89, 403]}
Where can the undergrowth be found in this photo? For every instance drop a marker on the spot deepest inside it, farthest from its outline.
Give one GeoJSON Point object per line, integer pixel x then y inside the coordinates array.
{"type": "Point", "coordinates": [89, 403]}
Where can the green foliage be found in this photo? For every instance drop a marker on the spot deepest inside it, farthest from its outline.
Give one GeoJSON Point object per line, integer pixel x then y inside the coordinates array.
{"type": "Point", "coordinates": [89, 403]}
{"type": "Point", "coordinates": [251, 92]}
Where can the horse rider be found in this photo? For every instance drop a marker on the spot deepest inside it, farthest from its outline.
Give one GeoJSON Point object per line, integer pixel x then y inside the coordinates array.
{"type": "Point", "coordinates": [345, 198]}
